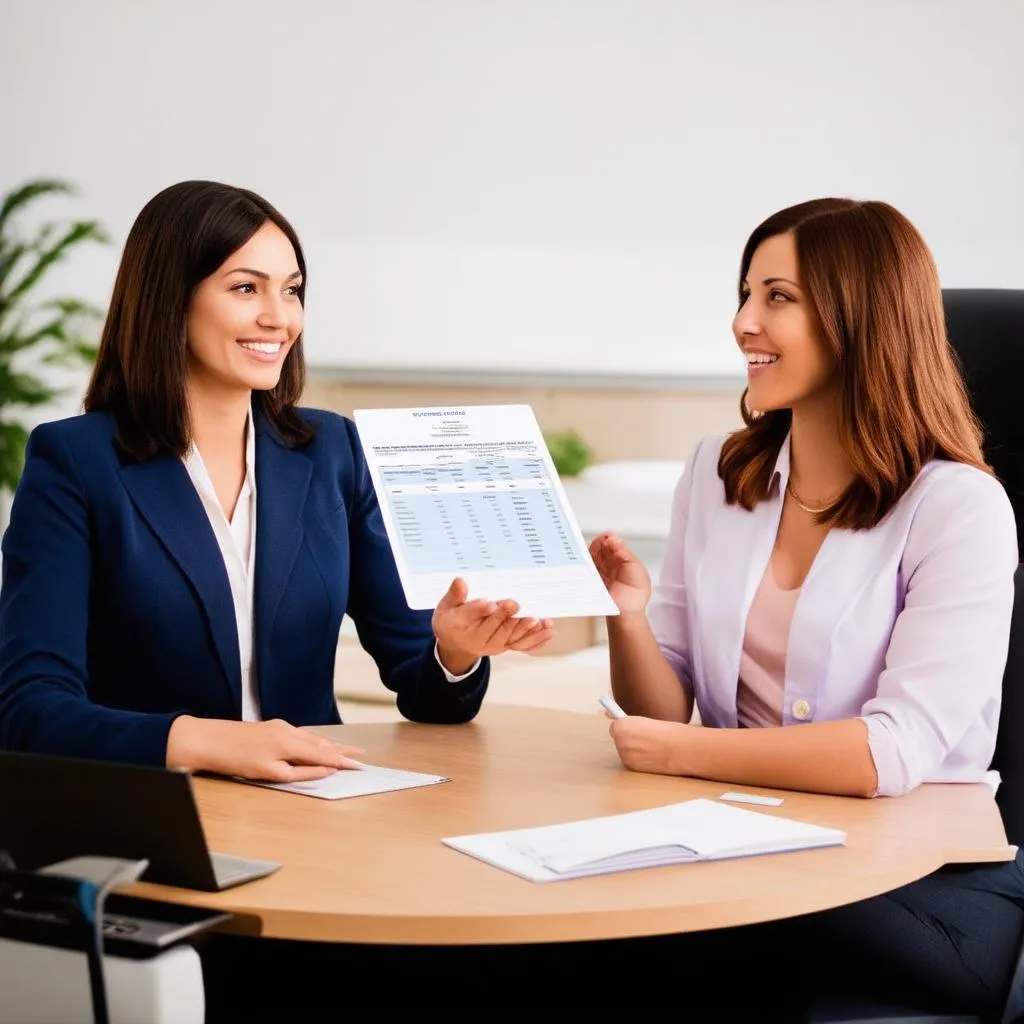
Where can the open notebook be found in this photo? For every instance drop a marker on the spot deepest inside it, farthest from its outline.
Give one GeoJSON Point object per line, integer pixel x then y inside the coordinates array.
{"type": "Point", "coordinates": [675, 834]}
{"type": "Point", "coordinates": [367, 779]}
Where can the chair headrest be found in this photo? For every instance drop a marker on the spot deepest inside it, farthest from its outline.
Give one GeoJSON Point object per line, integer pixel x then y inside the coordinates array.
{"type": "Point", "coordinates": [986, 328]}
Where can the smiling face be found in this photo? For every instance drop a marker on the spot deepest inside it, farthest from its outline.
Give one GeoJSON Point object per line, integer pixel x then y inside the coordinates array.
{"type": "Point", "coordinates": [776, 328]}
{"type": "Point", "coordinates": [245, 317]}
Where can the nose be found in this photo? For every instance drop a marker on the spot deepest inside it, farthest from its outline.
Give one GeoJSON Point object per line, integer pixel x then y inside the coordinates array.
{"type": "Point", "coordinates": [275, 314]}
{"type": "Point", "coordinates": [746, 323]}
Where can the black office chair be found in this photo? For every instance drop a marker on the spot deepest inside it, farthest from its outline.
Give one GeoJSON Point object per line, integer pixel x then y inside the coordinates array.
{"type": "Point", "coordinates": [986, 328]}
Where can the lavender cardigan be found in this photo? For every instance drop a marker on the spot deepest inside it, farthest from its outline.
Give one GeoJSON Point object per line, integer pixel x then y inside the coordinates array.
{"type": "Point", "coordinates": [905, 625]}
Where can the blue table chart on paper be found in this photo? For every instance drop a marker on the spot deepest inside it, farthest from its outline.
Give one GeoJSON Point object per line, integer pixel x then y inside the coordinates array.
{"type": "Point", "coordinates": [486, 513]}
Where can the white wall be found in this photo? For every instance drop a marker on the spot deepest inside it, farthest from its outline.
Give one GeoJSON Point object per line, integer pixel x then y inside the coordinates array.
{"type": "Point", "coordinates": [542, 184]}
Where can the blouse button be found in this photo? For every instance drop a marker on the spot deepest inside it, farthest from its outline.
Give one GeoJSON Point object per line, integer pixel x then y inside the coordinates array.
{"type": "Point", "coordinates": [801, 709]}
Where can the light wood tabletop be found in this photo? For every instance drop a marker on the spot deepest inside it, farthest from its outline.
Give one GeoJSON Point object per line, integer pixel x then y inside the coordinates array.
{"type": "Point", "coordinates": [373, 869]}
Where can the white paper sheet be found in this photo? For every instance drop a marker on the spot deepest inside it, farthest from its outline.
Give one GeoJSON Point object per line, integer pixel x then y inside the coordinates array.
{"type": "Point", "coordinates": [471, 491]}
{"type": "Point", "coordinates": [364, 781]}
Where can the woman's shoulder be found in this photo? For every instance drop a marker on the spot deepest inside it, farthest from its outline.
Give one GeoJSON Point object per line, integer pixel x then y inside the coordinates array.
{"type": "Point", "coordinates": [335, 432]}
{"type": "Point", "coordinates": [335, 449]}
{"type": "Point", "coordinates": [325, 419]}
{"type": "Point", "coordinates": [87, 433]}
{"type": "Point", "coordinates": [952, 500]}
{"type": "Point", "coordinates": [701, 468]}
{"type": "Point", "coordinates": [947, 486]}
{"type": "Point", "coordinates": [699, 490]}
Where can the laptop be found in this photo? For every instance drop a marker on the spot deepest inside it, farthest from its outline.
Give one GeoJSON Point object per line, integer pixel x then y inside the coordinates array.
{"type": "Point", "coordinates": [56, 808]}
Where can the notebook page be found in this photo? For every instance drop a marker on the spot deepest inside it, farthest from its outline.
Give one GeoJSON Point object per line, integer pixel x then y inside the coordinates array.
{"type": "Point", "coordinates": [716, 830]}
{"type": "Point", "coordinates": [364, 781]}
{"type": "Point", "coordinates": [596, 841]}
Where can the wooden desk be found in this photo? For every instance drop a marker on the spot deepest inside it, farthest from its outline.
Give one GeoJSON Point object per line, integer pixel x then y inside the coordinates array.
{"type": "Point", "coordinates": [373, 869]}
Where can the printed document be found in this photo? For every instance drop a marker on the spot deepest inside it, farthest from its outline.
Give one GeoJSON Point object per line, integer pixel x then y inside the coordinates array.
{"type": "Point", "coordinates": [471, 491]}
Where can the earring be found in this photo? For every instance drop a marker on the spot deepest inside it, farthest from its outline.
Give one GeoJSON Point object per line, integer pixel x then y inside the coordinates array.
{"type": "Point", "coordinates": [754, 414]}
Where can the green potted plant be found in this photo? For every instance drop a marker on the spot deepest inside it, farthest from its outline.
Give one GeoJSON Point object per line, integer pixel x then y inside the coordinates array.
{"type": "Point", "coordinates": [569, 452]}
{"type": "Point", "coordinates": [36, 333]}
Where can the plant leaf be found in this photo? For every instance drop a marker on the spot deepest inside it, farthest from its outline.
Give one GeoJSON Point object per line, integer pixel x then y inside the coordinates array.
{"type": "Point", "coordinates": [17, 340]}
{"type": "Point", "coordinates": [46, 332]}
{"type": "Point", "coordinates": [9, 258]}
{"type": "Point", "coordinates": [75, 308]}
{"type": "Point", "coordinates": [20, 197]}
{"type": "Point", "coordinates": [13, 438]}
{"type": "Point", "coordinates": [75, 350]}
{"type": "Point", "coordinates": [80, 231]}
{"type": "Point", "coordinates": [23, 388]}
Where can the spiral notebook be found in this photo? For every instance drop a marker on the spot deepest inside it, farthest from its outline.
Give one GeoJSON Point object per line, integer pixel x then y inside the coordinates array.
{"type": "Point", "coordinates": [683, 833]}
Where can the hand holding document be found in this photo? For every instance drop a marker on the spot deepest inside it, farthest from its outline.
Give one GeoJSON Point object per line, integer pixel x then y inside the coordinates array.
{"type": "Point", "coordinates": [695, 830]}
{"type": "Point", "coordinates": [471, 492]}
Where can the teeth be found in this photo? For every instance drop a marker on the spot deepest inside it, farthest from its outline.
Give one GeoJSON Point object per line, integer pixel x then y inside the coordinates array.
{"type": "Point", "coordinates": [270, 348]}
{"type": "Point", "coordinates": [757, 357]}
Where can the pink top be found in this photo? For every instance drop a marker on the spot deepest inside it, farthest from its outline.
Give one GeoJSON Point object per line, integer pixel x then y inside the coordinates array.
{"type": "Point", "coordinates": [762, 683]}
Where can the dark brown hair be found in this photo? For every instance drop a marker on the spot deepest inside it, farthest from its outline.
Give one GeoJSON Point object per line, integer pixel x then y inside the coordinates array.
{"type": "Point", "coordinates": [873, 287]}
{"type": "Point", "coordinates": [181, 236]}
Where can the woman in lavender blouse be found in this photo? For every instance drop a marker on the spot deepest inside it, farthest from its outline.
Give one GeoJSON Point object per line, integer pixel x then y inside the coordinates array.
{"type": "Point", "coordinates": [836, 592]}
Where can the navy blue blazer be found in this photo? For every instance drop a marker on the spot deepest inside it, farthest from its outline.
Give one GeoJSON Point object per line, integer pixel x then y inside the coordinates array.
{"type": "Point", "coordinates": [116, 613]}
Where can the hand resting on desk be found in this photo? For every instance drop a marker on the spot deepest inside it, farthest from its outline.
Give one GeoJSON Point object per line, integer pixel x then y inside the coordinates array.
{"type": "Point", "coordinates": [271, 751]}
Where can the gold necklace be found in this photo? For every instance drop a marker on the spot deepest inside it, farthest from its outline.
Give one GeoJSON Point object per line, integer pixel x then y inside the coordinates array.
{"type": "Point", "coordinates": [807, 508]}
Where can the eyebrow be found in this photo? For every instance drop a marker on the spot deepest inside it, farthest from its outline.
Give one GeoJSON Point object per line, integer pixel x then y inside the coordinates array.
{"type": "Point", "coordinates": [775, 280]}
{"type": "Point", "coordinates": [260, 273]}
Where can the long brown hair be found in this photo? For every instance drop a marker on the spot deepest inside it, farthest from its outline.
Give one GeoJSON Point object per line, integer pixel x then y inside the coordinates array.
{"type": "Point", "coordinates": [873, 286]}
{"type": "Point", "coordinates": [181, 236]}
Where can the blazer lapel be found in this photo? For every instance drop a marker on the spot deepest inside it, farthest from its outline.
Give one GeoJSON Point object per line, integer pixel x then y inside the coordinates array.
{"type": "Point", "coordinates": [282, 486]}
{"type": "Point", "coordinates": [163, 493]}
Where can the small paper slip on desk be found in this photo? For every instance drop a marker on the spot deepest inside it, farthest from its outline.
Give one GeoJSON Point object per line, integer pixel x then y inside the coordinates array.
{"type": "Point", "coordinates": [695, 830]}
{"type": "Point", "coordinates": [364, 781]}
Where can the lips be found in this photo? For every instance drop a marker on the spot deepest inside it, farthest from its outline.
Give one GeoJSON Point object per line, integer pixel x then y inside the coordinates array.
{"type": "Point", "coordinates": [760, 362]}
{"type": "Point", "coordinates": [269, 348]}
{"type": "Point", "coordinates": [258, 350]}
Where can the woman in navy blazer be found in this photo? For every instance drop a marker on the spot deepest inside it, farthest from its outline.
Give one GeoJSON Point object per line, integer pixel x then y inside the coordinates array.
{"type": "Point", "coordinates": [131, 628]}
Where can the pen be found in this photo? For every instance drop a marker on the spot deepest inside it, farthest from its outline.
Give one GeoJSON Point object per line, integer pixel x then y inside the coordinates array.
{"type": "Point", "coordinates": [613, 709]}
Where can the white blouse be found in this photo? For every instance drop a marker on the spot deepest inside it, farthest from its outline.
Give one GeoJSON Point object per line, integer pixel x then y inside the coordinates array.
{"type": "Point", "coordinates": [237, 542]}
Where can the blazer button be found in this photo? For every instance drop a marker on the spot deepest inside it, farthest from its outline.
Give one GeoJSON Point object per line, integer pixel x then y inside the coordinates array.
{"type": "Point", "coordinates": [801, 709]}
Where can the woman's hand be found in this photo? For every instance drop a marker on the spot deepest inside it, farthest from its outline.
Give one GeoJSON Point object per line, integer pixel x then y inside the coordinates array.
{"type": "Point", "coordinates": [468, 630]}
{"type": "Point", "coordinates": [649, 745]}
{"type": "Point", "coordinates": [627, 580]}
{"type": "Point", "coordinates": [269, 751]}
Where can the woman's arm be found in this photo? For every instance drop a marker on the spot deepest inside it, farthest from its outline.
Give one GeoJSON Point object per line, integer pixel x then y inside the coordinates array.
{"type": "Point", "coordinates": [400, 640]}
{"type": "Point", "coordinates": [643, 682]}
{"type": "Point", "coordinates": [649, 647]}
{"type": "Point", "coordinates": [45, 707]}
{"type": "Point", "coordinates": [44, 621]}
{"type": "Point", "coordinates": [943, 670]}
{"type": "Point", "coordinates": [944, 664]}
{"type": "Point", "coordinates": [820, 757]}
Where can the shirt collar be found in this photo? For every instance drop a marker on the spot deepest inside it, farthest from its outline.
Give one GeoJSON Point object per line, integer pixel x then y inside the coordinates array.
{"type": "Point", "coordinates": [250, 451]}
